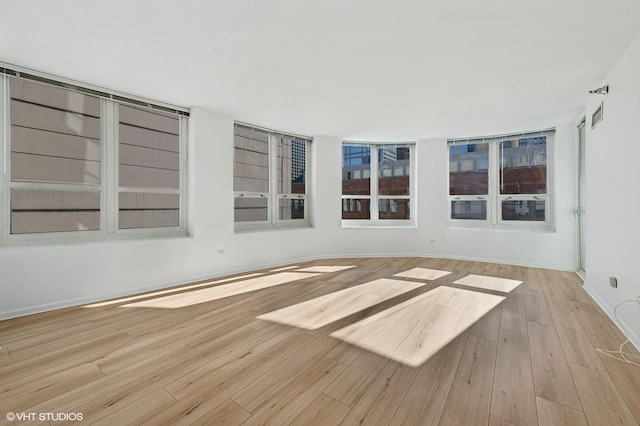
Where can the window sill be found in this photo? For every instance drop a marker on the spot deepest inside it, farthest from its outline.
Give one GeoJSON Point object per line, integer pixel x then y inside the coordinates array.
{"type": "Point", "coordinates": [396, 224]}
{"type": "Point", "coordinates": [483, 226]}
{"type": "Point", "coordinates": [72, 239]}
{"type": "Point", "coordinates": [268, 227]}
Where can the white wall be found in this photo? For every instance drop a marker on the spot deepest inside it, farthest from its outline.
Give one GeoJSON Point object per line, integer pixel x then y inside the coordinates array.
{"type": "Point", "coordinates": [41, 278]}
{"type": "Point", "coordinates": [612, 203]}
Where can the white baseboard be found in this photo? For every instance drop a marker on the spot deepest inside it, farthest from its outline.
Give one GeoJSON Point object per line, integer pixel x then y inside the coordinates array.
{"type": "Point", "coordinates": [445, 256]}
{"type": "Point", "coordinates": [624, 327]}
{"type": "Point", "coordinates": [70, 303]}
{"type": "Point", "coordinates": [160, 286]}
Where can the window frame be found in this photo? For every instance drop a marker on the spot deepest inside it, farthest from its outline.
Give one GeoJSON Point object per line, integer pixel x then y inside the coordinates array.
{"type": "Point", "coordinates": [494, 198]}
{"type": "Point", "coordinates": [108, 187]}
{"type": "Point", "coordinates": [117, 190]}
{"type": "Point", "coordinates": [273, 196]}
{"type": "Point", "coordinates": [374, 197]}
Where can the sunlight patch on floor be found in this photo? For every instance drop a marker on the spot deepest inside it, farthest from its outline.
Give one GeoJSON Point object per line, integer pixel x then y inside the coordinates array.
{"type": "Point", "coordinates": [413, 331]}
{"type": "Point", "coordinates": [189, 298]}
{"type": "Point", "coordinates": [324, 310]}
{"type": "Point", "coordinates": [489, 283]}
{"type": "Point", "coordinates": [285, 268]}
{"type": "Point", "coordinates": [325, 269]}
{"type": "Point", "coordinates": [169, 291]}
{"type": "Point", "coordinates": [422, 274]}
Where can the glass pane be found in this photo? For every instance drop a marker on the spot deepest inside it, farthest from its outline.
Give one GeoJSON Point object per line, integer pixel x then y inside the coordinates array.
{"type": "Point", "coordinates": [394, 209]}
{"type": "Point", "coordinates": [34, 211]}
{"type": "Point", "coordinates": [354, 208]}
{"type": "Point", "coordinates": [149, 148]}
{"type": "Point", "coordinates": [251, 209]}
{"type": "Point", "coordinates": [55, 134]}
{"type": "Point", "coordinates": [469, 169]}
{"type": "Point", "coordinates": [526, 210]}
{"type": "Point", "coordinates": [393, 170]}
{"type": "Point", "coordinates": [291, 165]}
{"type": "Point", "coordinates": [469, 209]}
{"type": "Point", "coordinates": [290, 209]}
{"type": "Point", "coordinates": [143, 210]}
{"type": "Point", "coordinates": [356, 170]}
{"type": "Point", "coordinates": [251, 160]}
{"type": "Point", "coordinates": [523, 166]}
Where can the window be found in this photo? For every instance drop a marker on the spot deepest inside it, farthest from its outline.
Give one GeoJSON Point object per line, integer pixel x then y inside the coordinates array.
{"type": "Point", "coordinates": [81, 165]}
{"type": "Point", "coordinates": [501, 181]}
{"type": "Point", "coordinates": [270, 179]}
{"type": "Point", "coordinates": [149, 168]}
{"type": "Point", "coordinates": [377, 184]}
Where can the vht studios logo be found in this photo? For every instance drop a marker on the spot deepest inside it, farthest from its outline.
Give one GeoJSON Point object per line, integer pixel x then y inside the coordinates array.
{"type": "Point", "coordinates": [45, 417]}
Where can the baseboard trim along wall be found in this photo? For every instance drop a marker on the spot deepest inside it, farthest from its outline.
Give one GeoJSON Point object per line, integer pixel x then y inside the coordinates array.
{"type": "Point", "coordinates": [162, 286]}
{"type": "Point", "coordinates": [621, 324]}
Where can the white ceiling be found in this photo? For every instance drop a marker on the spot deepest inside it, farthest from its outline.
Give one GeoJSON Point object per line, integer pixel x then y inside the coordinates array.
{"type": "Point", "coordinates": [357, 69]}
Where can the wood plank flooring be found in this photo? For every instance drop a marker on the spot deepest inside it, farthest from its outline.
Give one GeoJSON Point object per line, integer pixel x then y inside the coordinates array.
{"type": "Point", "coordinates": [256, 349]}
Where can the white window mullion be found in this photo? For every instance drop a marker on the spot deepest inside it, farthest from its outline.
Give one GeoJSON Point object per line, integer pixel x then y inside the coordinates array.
{"type": "Point", "coordinates": [184, 164]}
{"type": "Point", "coordinates": [109, 166]}
{"type": "Point", "coordinates": [493, 198]}
{"type": "Point", "coordinates": [373, 204]}
{"type": "Point", "coordinates": [5, 199]}
{"type": "Point", "coordinates": [413, 179]}
{"type": "Point", "coordinates": [550, 164]}
{"type": "Point", "coordinates": [273, 203]}
{"type": "Point", "coordinates": [307, 181]}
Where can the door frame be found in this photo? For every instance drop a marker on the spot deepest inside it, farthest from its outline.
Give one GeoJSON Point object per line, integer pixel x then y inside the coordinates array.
{"type": "Point", "coordinates": [579, 212]}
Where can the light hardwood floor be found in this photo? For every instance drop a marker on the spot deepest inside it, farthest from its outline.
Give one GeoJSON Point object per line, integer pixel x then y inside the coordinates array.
{"type": "Point", "coordinates": [200, 354]}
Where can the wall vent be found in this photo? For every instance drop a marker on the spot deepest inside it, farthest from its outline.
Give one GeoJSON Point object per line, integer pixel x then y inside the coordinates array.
{"type": "Point", "coordinates": [597, 116]}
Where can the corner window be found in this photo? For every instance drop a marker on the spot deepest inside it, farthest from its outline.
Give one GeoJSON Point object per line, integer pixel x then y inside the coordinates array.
{"type": "Point", "coordinates": [501, 181]}
{"type": "Point", "coordinates": [377, 184]}
{"type": "Point", "coordinates": [270, 179]}
{"type": "Point", "coordinates": [80, 165]}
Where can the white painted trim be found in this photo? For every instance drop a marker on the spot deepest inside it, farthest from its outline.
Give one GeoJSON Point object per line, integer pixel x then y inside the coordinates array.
{"type": "Point", "coordinates": [633, 338]}
{"type": "Point", "coordinates": [109, 162]}
{"type": "Point", "coordinates": [5, 198]}
{"type": "Point", "coordinates": [108, 296]}
{"type": "Point", "coordinates": [183, 191]}
{"type": "Point", "coordinates": [233, 271]}
{"type": "Point", "coordinates": [579, 211]}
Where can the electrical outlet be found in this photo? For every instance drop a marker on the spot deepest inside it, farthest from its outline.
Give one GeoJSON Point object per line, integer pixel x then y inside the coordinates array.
{"type": "Point", "coordinates": [220, 251]}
